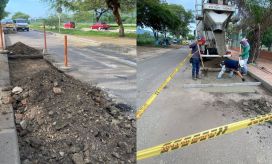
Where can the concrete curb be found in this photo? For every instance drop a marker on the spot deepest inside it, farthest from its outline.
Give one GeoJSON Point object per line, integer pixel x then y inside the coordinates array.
{"type": "Point", "coordinates": [265, 84]}
{"type": "Point", "coordinates": [9, 153]}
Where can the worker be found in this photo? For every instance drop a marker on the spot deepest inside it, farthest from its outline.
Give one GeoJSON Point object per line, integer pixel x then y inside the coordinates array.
{"type": "Point", "coordinates": [232, 66]}
{"type": "Point", "coordinates": [245, 54]}
{"type": "Point", "coordinates": [195, 59]}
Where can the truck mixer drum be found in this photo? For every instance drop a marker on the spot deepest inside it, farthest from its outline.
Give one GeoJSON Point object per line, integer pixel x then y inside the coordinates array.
{"type": "Point", "coordinates": [213, 22]}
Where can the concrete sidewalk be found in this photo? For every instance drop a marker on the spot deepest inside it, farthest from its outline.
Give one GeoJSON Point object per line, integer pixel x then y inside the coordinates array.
{"type": "Point", "coordinates": [9, 151]}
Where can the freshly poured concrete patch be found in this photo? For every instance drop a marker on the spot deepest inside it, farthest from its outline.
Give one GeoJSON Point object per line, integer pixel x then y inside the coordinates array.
{"type": "Point", "coordinates": [222, 85]}
{"type": "Point", "coordinates": [234, 89]}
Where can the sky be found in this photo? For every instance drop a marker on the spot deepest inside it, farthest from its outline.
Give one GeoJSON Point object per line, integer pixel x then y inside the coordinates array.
{"type": "Point", "coordinates": [187, 4]}
{"type": "Point", "coordinates": [34, 8]}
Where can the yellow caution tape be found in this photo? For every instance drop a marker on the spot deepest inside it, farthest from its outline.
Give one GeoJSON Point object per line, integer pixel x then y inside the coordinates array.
{"type": "Point", "coordinates": [202, 136]}
{"type": "Point", "coordinates": [150, 100]}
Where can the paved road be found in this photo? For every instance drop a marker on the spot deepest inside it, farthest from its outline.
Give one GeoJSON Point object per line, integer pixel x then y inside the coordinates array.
{"type": "Point", "coordinates": [107, 68]}
{"type": "Point", "coordinates": [178, 112]}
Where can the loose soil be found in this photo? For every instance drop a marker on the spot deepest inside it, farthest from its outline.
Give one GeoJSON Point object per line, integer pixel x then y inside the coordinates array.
{"type": "Point", "coordinates": [20, 48]}
{"type": "Point", "coordinates": [62, 120]}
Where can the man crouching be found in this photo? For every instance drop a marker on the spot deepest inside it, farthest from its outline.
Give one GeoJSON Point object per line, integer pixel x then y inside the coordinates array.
{"type": "Point", "coordinates": [232, 66]}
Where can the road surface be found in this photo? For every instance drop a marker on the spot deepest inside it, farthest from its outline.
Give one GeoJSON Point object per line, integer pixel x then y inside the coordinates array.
{"type": "Point", "coordinates": [105, 67]}
{"type": "Point", "coordinates": [178, 112]}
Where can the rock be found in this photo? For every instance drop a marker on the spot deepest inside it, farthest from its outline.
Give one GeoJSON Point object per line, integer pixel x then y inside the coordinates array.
{"type": "Point", "coordinates": [75, 149]}
{"type": "Point", "coordinates": [35, 143]}
{"type": "Point", "coordinates": [61, 153]}
{"type": "Point", "coordinates": [245, 103]}
{"type": "Point", "coordinates": [57, 90]}
{"type": "Point", "coordinates": [116, 155]}
{"type": "Point", "coordinates": [18, 116]}
{"type": "Point", "coordinates": [56, 84]}
{"type": "Point", "coordinates": [78, 97]}
{"type": "Point", "coordinates": [17, 90]}
{"type": "Point", "coordinates": [113, 111]}
{"type": "Point", "coordinates": [122, 145]}
{"type": "Point", "coordinates": [78, 158]}
{"type": "Point", "coordinates": [26, 161]}
{"type": "Point", "coordinates": [127, 126]}
{"type": "Point", "coordinates": [50, 113]}
{"type": "Point", "coordinates": [24, 102]}
{"type": "Point", "coordinates": [23, 124]}
{"type": "Point", "coordinates": [246, 109]}
{"type": "Point", "coordinates": [59, 125]}
{"type": "Point", "coordinates": [25, 95]}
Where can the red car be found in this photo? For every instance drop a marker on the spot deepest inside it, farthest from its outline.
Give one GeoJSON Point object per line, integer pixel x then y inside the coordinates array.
{"type": "Point", "coordinates": [100, 26]}
{"type": "Point", "coordinates": [69, 25]}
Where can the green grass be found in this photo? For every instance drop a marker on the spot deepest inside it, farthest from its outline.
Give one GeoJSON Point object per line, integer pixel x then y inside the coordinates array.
{"type": "Point", "coordinates": [145, 39]}
{"type": "Point", "coordinates": [79, 32]}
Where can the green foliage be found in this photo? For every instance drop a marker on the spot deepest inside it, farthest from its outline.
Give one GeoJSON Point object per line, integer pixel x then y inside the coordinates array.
{"type": "Point", "coordinates": [20, 15]}
{"type": "Point", "coordinates": [3, 4]}
{"type": "Point", "coordinates": [52, 21]}
{"type": "Point", "coordinates": [267, 38]}
{"type": "Point", "coordinates": [184, 17]}
{"type": "Point", "coordinates": [163, 17]}
{"type": "Point", "coordinates": [256, 20]}
{"type": "Point", "coordinates": [145, 39]}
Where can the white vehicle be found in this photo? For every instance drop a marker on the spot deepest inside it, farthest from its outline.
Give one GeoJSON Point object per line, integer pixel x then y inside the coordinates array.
{"type": "Point", "coordinates": [21, 24]}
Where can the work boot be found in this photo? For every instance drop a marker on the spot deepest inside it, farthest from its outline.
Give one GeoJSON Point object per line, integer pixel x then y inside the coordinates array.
{"type": "Point", "coordinates": [194, 77]}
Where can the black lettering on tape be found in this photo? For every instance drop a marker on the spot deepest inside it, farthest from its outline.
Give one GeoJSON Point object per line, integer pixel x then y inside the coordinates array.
{"type": "Point", "coordinates": [204, 136]}
{"type": "Point", "coordinates": [166, 147]}
{"type": "Point", "coordinates": [195, 138]}
{"type": "Point", "coordinates": [176, 144]}
{"type": "Point", "coordinates": [212, 133]}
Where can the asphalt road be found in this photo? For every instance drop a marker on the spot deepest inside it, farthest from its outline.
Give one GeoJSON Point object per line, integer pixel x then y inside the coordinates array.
{"type": "Point", "coordinates": [107, 68]}
{"type": "Point", "coordinates": [178, 112]}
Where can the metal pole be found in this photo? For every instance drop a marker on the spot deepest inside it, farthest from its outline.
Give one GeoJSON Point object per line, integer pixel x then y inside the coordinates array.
{"type": "Point", "coordinates": [44, 35]}
{"type": "Point", "coordinates": [65, 51]}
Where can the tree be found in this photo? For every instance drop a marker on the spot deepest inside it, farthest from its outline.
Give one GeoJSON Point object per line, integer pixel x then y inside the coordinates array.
{"type": "Point", "coordinates": [20, 15]}
{"type": "Point", "coordinates": [184, 17]}
{"type": "Point", "coordinates": [267, 39]}
{"type": "Point", "coordinates": [3, 13]}
{"type": "Point", "coordinates": [114, 5]}
{"type": "Point", "coordinates": [256, 20]}
{"type": "Point", "coordinates": [157, 16]}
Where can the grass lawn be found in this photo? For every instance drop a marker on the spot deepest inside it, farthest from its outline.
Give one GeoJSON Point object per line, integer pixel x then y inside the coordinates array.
{"type": "Point", "coordinates": [145, 39]}
{"type": "Point", "coordinates": [79, 32]}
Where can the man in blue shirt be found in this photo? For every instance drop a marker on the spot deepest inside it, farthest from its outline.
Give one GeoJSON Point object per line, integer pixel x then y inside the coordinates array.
{"type": "Point", "coordinates": [232, 66]}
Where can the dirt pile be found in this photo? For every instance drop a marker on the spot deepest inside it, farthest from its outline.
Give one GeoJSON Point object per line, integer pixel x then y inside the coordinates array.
{"type": "Point", "coordinates": [61, 120]}
{"type": "Point", "coordinates": [20, 48]}
{"type": "Point", "coordinates": [260, 106]}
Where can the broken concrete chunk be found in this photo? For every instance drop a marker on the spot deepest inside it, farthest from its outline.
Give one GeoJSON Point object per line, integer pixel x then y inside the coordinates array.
{"type": "Point", "coordinates": [57, 90]}
{"type": "Point", "coordinates": [17, 90]}
{"type": "Point", "coordinates": [78, 158]}
{"type": "Point", "coordinates": [23, 124]}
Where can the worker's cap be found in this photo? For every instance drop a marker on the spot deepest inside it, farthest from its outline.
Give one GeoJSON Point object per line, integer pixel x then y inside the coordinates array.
{"type": "Point", "coordinates": [243, 41]}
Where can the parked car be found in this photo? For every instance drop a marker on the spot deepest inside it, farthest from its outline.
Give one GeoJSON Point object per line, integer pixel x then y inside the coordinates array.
{"type": "Point", "coordinates": [100, 26]}
{"type": "Point", "coordinates": [21, 24]}
{"type": "Point", "coordinates": [70, 25]}
{"type": "Point", "coordinates": [8, 26]}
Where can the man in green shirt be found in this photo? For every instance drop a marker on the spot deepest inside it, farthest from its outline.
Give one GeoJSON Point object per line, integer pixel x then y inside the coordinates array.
{"type": "Point", "coordinates": [245, 54]}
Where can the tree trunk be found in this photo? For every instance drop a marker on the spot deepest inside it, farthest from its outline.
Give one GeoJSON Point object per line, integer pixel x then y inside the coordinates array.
{"type": "Point", "coordinates": [118, 20]}
{"type": "Point", "coordinates": [114, 5]}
